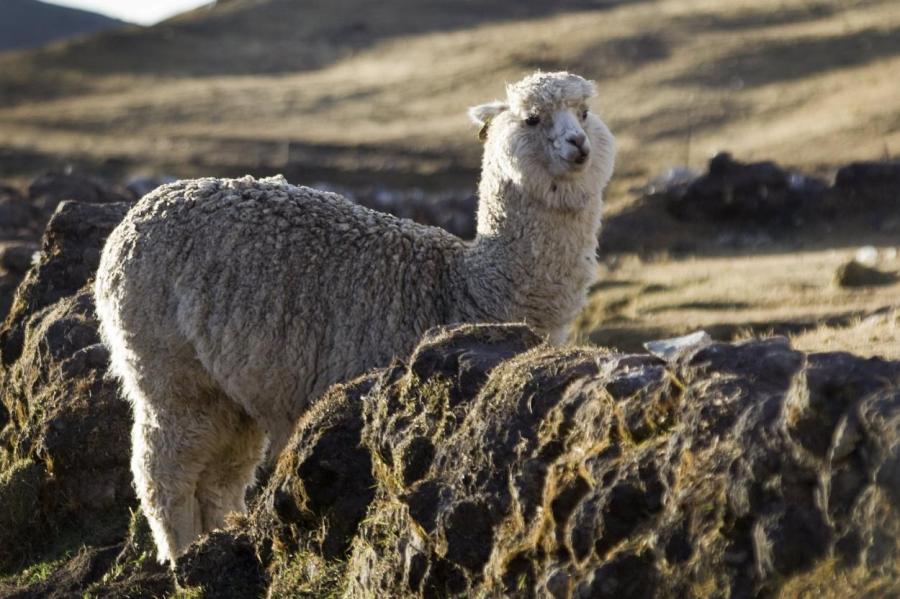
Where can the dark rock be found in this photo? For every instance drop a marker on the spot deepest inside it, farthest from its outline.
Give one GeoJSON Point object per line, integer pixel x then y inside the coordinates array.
{"type": "Point", "coordinates": [755, 193]}
{"type": "Point", "coordinates": [65, 266]}
{"type": "Point", "coordinates": [135, 574]}
{"type": "Point", "coordinates": [16, 213]}
{"type": "Point", "coordinates": [49, 190]}
{"type": "Point", "coordinates": [15, 260]}
{"type": "Point", "coordinates": [709, 474]}
{"type": "Point", "coordinates": [324, 482]}
{"type": "Point", "coordinates": [672, 183]}
{"type": "Point", "coordinates": [8, 285]}
{"type": "Point", "coordinates": [868, 190]}
{"type": "Point", "coordinates": [16, 257]}
{"type": "Point", "coordinates": [869, 177]}
{"type": "Point", "coordinates": [91, 356]}
{"type": "Point", "coordinates": [222, 566]}
{"type": "Point", "coordinates": [62, 415]}
{"type": "Point", "coordinates": [20, 519]}
{"type": "Point", "coordinates": [492, 464]}
{"type": "Point", "coordinates": [9, 194]}
{"type": "Point", "coordinates": [855, 274]}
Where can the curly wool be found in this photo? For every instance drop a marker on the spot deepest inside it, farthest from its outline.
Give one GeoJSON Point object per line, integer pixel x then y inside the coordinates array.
{"type": "Point", "coordinates": [230, 305]}
{"type": "Point", "coordinates": [542, 91]}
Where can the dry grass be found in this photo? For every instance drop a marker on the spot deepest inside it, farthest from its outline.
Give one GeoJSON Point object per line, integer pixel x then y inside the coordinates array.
{"type": "Point", "coordinates": [735, 296]}
{"type": "Point", "coordinates": [875, 335]}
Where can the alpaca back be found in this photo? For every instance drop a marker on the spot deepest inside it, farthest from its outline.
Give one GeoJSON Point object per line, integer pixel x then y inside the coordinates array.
{"type": "Point", "coordinates": [277, 291]}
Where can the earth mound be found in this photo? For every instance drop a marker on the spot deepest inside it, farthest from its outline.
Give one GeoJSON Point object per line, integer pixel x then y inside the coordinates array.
{"type": "Point", "coordinates": [493, 465]}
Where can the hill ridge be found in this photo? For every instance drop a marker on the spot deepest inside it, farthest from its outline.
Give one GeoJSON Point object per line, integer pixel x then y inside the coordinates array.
{"type": "Point", "coordinates": [26, 24]}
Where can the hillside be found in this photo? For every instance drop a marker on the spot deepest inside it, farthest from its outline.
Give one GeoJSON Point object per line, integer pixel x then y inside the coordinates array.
{"type": "Point", "coordinates": [275, 85]}
{"type": "Point", "coordinates": [29, 24]}
{"type": "Point", "coordinates": [365, 95]}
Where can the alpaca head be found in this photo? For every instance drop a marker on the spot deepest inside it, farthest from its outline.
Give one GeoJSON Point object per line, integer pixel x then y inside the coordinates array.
{"type": "Point", "coordinates": [545, 139]}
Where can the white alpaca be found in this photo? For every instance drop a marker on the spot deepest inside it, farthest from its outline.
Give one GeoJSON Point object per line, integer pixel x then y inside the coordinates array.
{"type": "Point", "coordinates": [230, 305]}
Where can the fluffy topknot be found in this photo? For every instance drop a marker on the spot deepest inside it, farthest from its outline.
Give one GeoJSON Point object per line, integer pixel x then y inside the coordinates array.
{"type": "Point", "coordinates": [548, 90]}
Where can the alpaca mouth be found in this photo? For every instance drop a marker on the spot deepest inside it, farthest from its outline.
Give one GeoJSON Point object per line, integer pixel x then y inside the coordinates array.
{"type": "Point", "coordinates": [578, 162]}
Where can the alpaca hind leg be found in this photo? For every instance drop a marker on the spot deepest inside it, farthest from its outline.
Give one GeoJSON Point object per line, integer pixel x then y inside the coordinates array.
{"type": "Point", "coordinates": [223, 483]}
{"type": "Point", "coordinates": [171, 448]}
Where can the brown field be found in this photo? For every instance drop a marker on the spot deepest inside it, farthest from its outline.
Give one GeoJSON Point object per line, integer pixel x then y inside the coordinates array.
{"type": "Point", "coordinates": [738, 296]}
{"type": "Point", "coordinates": [381, 97]}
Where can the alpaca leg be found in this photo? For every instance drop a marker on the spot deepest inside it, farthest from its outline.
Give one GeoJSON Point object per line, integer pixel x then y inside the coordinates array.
{"type": "Point", "coordinates": [223, 483]}
{"type": "Point", "coordinates": [166, 489]}
{"type": "Point", "coordinates": [171, 448]}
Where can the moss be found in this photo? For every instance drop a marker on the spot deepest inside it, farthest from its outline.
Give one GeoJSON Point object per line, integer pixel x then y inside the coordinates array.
{"type": "Point", "coordinates": [135, 572]}
{"type": "Point", "coordinates": [306, 574]}
{"type": "Point", "coordinates": [139, 550]}
{"type": "Point", "coordinates": [20, 521]}
{"type": "Point", "coordinates": [187, 593]}
{"type": "Point", "coordinates": [33, 574]}
{"type": "Point", "coordinates": [829, 579]}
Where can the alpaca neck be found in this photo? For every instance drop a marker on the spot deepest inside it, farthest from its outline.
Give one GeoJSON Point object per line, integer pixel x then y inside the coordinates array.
{"type": "Point", "coordinates": [532, 262]}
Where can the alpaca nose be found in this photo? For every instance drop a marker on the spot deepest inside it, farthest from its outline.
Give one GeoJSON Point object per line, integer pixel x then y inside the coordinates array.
{"type": "Point", "coordinates": [579, 140]}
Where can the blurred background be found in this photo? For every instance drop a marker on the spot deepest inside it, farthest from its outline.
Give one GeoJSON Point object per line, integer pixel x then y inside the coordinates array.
{"type": "Point", "coordinates": [795, 231]}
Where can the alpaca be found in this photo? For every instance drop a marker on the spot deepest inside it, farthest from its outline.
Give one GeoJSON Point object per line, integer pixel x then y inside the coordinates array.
{"type": "Point", "coordinates": [230, 305]}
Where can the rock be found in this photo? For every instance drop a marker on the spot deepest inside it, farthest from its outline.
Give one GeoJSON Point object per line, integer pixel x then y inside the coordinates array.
{"type": "Point", "coordinates": [738, 205]}
{"type": "Point", "coordinates": [869, 177]}
{"type": "Point", "coordinates": [15, 260]}
{"type": "Point", "coordinates": [17, 257]}
{"type": "Point", "coordinates": [70, 255]}
{"type": "Point", "coordinates": [8, 284]}
{"type": "Point", "coordinates": [755, 193]}
{"type": "Point", "coordinates": [48, 190]}
{"type": "Point", "coordinates": [324, 479]}
{"type": "Point", "coordinates": [21, 482]}
{"type": "Point", "coordinates": [135, 573]}
{"type": "Point", "coordinates": [869, 189]}
{"type": "Point", "coordinates": [578, 472]}
{"type": "Point", "coordinates": [672, 349]}
{"type": "Point", "coordinates": [223, 566]}
{"type": "Point", "coordinates": [855, 274]}
{"type": "Point", "coordinates": [62, 415]}
{"type": "Point", "coordinates": [71, 579]}
{"type": "Point", "coordinates": [16, 214]}
{"type": "Point", "coordinates": [10, 194]}
{"type": "Point", "coordinates": [490, 464]}
{"type": "Point", "coordinates": [867, 255]}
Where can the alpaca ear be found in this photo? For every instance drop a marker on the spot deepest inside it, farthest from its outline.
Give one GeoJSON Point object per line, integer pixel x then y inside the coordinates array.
{"type": "Point", "coordinates": [483, 114]}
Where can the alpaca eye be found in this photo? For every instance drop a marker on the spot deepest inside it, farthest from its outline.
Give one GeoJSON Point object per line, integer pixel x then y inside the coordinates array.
{"type": "Point", "coordinates": [584, 114]}
{"type": "Point", "coordinates": [533, 120]}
